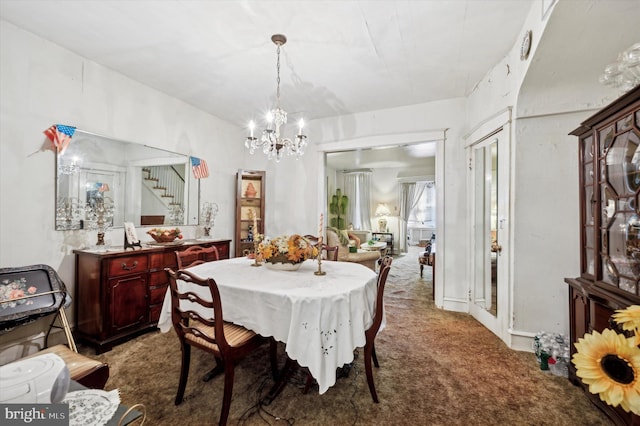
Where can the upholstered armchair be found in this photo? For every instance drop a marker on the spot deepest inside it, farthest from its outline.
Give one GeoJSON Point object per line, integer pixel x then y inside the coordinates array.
{"type": "Point", "coordinates": [341, 239]}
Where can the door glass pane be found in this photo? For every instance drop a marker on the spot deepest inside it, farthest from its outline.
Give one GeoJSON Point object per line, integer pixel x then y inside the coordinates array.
{"type": "Point", "coordinates": [480, 227]}
{"type": "Point", "coordinates": [487, 236]}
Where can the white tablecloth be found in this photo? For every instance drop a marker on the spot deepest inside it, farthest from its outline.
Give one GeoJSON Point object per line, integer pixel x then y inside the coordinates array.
{"type": "Point", "coordinates": [321, 319]}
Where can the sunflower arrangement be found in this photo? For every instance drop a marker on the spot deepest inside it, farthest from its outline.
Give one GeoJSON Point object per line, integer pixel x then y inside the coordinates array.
{"type": "Point", "coordinates": [286, 249]}
{"type": "Point", "coordinates": [609, 363]}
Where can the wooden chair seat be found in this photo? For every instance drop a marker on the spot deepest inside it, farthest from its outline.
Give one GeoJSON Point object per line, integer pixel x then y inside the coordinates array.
{"type": "Point", "coordinates": [236, 335]}
{"type": "Point", "coordinates": [84, 370]}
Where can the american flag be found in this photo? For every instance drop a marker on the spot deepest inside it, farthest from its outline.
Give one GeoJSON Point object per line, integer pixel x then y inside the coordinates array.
{"type": "Point", "coordinates": [60, 136]}
{"type": "Point", "coordinates": [199, 167]}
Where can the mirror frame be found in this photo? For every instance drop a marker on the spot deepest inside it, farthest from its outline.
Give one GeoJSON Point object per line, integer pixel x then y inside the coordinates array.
{"type": "Point", "coordinates": [104, 169]}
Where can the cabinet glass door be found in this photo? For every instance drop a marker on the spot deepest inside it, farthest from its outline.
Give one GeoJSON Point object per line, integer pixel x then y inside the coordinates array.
{"type": "Point", "coordinates": [619, 159]}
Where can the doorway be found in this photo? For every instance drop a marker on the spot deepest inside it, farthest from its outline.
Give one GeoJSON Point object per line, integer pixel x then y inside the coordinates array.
{"type": "Point", "coordinates": [489, 197]}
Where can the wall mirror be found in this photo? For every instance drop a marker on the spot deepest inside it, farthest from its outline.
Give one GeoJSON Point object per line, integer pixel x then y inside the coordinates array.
{"type": "Point", "coordinates": [103, 182]}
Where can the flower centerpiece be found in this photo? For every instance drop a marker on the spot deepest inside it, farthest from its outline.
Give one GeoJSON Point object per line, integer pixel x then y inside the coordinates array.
{"type": "Point", "coordinates": [161, 235]}
{"type": "Point", "coordinates": [609, 362]}
{"type": "Point", "coordinates": [286, 251]}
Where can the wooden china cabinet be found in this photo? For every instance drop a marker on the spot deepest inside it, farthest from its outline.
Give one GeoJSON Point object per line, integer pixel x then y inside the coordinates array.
{"type": "Point", "coordinates": [609, 150]}
{"type": "Point", "coordinates": [250, 210]}
{"type": "Point", "coordinates": [119, 294]}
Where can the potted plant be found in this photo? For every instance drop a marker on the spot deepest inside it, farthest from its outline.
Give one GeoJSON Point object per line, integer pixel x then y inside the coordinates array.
{"type": "Point", "coordinates": [338, 208]}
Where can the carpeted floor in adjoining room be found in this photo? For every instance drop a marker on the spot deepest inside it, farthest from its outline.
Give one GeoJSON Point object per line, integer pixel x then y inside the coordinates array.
{"type": "Point", "coordinates": [436, 368]}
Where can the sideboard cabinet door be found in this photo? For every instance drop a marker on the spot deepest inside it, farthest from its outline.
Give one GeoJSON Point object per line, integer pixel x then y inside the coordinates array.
{"type": "Point", "coordinates": [128, 307]}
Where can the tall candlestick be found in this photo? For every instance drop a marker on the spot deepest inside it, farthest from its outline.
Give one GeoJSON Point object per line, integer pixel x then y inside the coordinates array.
{"type": "Point", "coordinates": [255, 226]}
{"type": "Point", "coordinates": [320, 272]}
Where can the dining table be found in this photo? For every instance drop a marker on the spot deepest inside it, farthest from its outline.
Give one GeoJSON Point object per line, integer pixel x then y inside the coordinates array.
{"type": "Point", "coordinates": [321, 319]}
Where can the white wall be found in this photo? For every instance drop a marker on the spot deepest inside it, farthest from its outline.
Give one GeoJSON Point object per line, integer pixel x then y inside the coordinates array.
{"type": "Point", "coordinates": [42, 84]}
{"type": "Point", "coordinates": [552, 101]}
{"type": "Point", "coordinates": [551, 92]}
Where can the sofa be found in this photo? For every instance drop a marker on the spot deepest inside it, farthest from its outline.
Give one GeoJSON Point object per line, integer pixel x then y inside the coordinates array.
{"type": "Point", "coordinates": [343, 240]}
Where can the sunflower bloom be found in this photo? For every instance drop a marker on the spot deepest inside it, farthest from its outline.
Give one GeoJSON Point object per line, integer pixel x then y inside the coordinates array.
{"type": "Point", "coordinates": [629, 318]}
{"type": "Point", "coordinates": [609, 364]}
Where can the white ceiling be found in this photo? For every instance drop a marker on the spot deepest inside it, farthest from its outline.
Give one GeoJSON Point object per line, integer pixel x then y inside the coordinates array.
{"type": "Point", "coordinates": [341, 56]}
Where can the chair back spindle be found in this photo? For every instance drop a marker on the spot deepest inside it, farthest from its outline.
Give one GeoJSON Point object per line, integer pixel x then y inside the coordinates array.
{"type": "Point", "coordinates": [331, 252]}
{"type": "Point", "coordinates": [196, 255]}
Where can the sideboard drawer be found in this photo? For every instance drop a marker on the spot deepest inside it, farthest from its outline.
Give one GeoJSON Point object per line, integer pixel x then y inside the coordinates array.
{"type": "Point", "coordinates": [163, 260]}
{"type": "Point", "coordinates": [158, 278]}
{"type": "Point", "coordinates": [127, 265]}
{"type": "Point", "coordinates": [157, 295]}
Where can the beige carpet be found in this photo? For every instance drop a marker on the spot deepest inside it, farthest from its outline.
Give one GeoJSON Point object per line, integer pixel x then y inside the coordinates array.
{"type": "Point", "coordinates": [436, 368]}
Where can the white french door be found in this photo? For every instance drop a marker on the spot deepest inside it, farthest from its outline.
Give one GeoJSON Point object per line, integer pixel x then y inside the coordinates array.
{"type": "Point", "coordinates": [489, 233]}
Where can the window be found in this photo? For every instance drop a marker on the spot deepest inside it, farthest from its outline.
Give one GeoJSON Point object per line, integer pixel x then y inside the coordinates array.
{"type": "Point", "coordinates": [424, 211]}
{"type": "Point", "coordinates": [358, 189]}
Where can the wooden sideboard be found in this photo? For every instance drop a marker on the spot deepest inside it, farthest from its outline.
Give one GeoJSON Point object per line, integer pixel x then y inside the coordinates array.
{"type": "Point", "coordinates": [119, 294]}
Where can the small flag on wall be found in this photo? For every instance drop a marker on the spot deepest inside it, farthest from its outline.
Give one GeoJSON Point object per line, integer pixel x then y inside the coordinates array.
{"type": "Point", "coordinates": [199, 167]}
{"type": "Point", "coordinates": [60, 136]}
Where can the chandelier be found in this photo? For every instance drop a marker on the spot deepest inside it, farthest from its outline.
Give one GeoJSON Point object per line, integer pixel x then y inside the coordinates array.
{"type": "Point", "coordinates": [273, 145]}
{"type": "Point", "coordinates": [625, 72]}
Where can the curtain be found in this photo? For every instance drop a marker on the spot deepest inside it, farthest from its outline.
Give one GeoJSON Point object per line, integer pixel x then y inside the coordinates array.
{"type": "Point", "coordinates": [357, 186]}
{"type": "Point", "coordinates": [409, 196]}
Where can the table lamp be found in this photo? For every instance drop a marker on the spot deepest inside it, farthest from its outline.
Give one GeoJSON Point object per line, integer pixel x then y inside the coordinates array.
{"type": "Point", "coordinates": [382, 211]}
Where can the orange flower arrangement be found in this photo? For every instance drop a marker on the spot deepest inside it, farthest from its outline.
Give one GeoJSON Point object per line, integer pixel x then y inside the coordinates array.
{"type": "Point", "coordinates": [286, 249]}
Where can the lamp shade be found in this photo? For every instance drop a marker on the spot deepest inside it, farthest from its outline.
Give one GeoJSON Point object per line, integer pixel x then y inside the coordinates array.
{"type": "Point", "coordinates": [382, 210]}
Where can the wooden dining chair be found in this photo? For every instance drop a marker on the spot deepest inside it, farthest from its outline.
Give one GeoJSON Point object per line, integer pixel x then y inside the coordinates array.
{"type": "Point", "coordinates": [312, 239]}
{"type": "Point", "coordinates": [227, 342]}
{"type": "Point", "coordinates": [370, 334]}
{"type": "Point", "coordinates": [196, 255]}
{"type": "Point", "coordinates": [332, 251]}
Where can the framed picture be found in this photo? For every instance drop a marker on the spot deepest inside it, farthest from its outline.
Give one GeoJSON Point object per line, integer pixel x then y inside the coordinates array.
{"type": "Point", "coordinates": [130, 233]}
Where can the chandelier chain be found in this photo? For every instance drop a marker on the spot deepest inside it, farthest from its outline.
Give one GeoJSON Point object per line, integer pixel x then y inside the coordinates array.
{"type": "Point", "coordinates": [278, 79]}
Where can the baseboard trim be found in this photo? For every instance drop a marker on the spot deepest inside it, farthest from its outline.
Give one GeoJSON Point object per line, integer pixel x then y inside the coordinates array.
{"type": "Point", "coordinates": [455, 304]}
{"type": "Point", "coordinates": [521, 340]}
